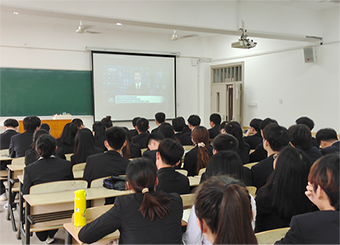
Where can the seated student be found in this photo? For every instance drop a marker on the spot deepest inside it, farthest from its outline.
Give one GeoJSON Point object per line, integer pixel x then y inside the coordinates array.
{"type": "Point", "coordinates": [275, 138]}
{"type": "Point", "coordinates": [11, 127]}
{"type": "Point", "coordinates": [328, 141]}
{"type": "Point", "coordinates": [65, 142]}
{"type": "Point", "coordinates": [310, 124]}
{"type": "Point", "coordinates": [260, 153]}
{"type": "Point", "coordinates": [84, 146]}
{"type": "Point", "coordinates": [131, 150]}
{"type": "Point", "coordinates": [193, 121]}
{"type": "Point", "coordinates": [320, 227]}
{"type": "Point", "coordinates": [143, 134]}
{"type": "Point", "coordinates": [283, 196]}
{"type": "Point", "coordinates": [153, 142]}
{"type": "Point", "coordinates": [253, 136]}
{"type": "Point", "coordinates": [134, 132]}
{"type": "Point", "coordinates": [222, 163]}
{"type": "Point", "coordinates": [198, 157]}
{"type": "Point", "coordinates": [78, 122]}
{"type": "Point", "coordinates": [144, 217]}
{"type": "Point", "coordinates": [31, 155]}
{"type": "Point", "coordinates": [227, 142]}
{"type": "Point", "coordinates": [215, 121]}
{"type": "Point", "coordinates": [178, 125]}
{"type": "Point", "coordinates": [301, 138]}
{"type": "Point", "coordinates": [21, 142]}
{"type": "Point", "coordinates": [169, 155]}
{"type": "Point", "coordinates": [47, 169]}
{"type": "Point", "coordinates": [107, 122]}
{"type": "Point", "coordinates": [234, 128]}
{"type": "Point", "coordinates": [98, 130]}
{"type": "Point", "coordinates": [159, 119]}
{"type": "Point", "coordinates": [46, 127]}
{"type": "Point", "coordinates": [167, 131]}
{"type": "Point", "coordinates": [186, 129]}
{"type": "Point", "coordinates": [110, 163]}
{"type": "Point", "coordinates": [224, 212]}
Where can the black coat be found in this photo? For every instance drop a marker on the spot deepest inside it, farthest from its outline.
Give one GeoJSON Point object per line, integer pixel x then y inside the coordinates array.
{"type": "Point", "coordinates": [5, 138]}
{"type": "Point", "coordinates": [20, 143]}
{"type": "Point", "coordinates": [334, 148]}
{"type": "Point", "coordinates": [190, 160]}
{"type": "Point", "coordinates": [254, 140]}
{"type": "Point", "coordinates": [169, 180]}
{"type": "Point", "coordinates": [184, 139]}
{"type": "Point", "coordinates": [262, 171]}
{"type": "Point", "coordinates": [141, 139]}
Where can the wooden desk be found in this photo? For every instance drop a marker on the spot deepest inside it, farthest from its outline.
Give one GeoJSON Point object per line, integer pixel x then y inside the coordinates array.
{"type": "Point", "coordinates": [56, 126]}
{"type": "Point", "coordinates": [57, 202]}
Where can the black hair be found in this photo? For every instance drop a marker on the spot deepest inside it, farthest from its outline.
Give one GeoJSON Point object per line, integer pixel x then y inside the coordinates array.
{"type": "Point", "coordinates": [99, 134]}
{"type": "Point", "coordinates": [78, 122]}
{"type": "Point", "coordinates": [225, 163]}
{"type": "Point", "coordinates": [170, 151]}
{"type": "Point", "coordinates": [255, 123]}
{"type": "Point", "coordinates": [155, 136]}
{"type": "Point", "coordinates": [277, 136]}
{"type": "Point", "coordinates": [83, 146]}
{"type": "Point", "coordinates": [326, 134]}
{"type": "Point", "coordinates": [45, 126]}
{"type": "Point", "coordinates": [287, 184]}
{"type": "Point", "coordinates": [46, 145]}
{"type": "Point", "coordinates": [306, 121]}
{"type": "Point", "coordinates": [215, 118]}
{"type": "Point", "coordinates": [36, 135]}
{"type": "Point", "coordinates": [116, 137]}
{"type": "Point", "coordinates": [107, 122]}
{"type": "Point", "coordinates": [267, 121]}
{"type": "Point", "coordinates": [178, 124]}
{"type": "Point", "coordinates": [69, 133]}
{"type": "Point", "coordinates": [142, 124]}
{"type": "Point", "coordinates": [160, 117]}
{"type": "Point", "coordinates": [134, 121]}
{"type": "Point", "coordinates": [10, 122]}
{"type": "Point", "coordinates": [225, 142]}
{"type": "Point", "coordinates": [234, 128]}
{"type": "Point", "coordinates": [194, 120]}
{"type": "Point", "coordinates": [167, 131]}
{"type": "Point", "coordinates": [300, 136]}
{"type": "Point", "coordinates": [126, 149]}
{"type": "Point", "coordinates": [31, 123]}
{"type": "Point", "coordinates": [140, 174]}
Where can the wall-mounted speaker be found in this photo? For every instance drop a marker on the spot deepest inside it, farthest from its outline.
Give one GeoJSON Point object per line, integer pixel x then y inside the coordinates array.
{"type": "Point", "coordinates": [309, 54]}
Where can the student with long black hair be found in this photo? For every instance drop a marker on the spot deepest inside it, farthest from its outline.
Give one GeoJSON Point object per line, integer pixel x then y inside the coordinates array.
{"type": "Point", "coordinates": [144, 217]}
{"type": "Point", "coordinates": [98, 129]}
{"type": "Point", "coordinates": [31, 155]}
{"type": "Point", "coordinates": [65, 142]}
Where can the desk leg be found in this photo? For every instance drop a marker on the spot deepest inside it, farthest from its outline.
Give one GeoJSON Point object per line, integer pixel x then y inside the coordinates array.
{"type": "Point", "coordinates": [10, 213]}
{"type": "Point", "coordinates": [21, 216]}
{"type": "Point", "coordinates": [27, 224]}
{"type": "Point", "coordinates": [68, 238]}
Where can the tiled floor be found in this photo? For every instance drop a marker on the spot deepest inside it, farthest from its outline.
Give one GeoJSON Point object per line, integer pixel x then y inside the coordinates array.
{"type": "Point", "coordinates": [8, 236]}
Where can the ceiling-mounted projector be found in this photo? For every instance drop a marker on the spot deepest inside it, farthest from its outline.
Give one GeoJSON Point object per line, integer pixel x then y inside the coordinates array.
{"type": "Point", "coordinates": [244, 42]}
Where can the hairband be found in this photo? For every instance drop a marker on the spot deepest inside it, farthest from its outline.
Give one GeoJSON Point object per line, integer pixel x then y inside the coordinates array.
{"type": "Point", "coordinates": [201, 144]}
{"type": "Point", "coordinates": [145, 190]}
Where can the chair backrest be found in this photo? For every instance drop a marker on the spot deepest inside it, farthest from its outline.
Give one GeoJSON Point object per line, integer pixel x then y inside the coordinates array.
{"type": "Point", "coordinates": [271, 236]}
{"type": "Point", "coordinates": [252, 190]}
{"type": "Point", "coordinates": [188, 147]}
{"type": "Point", "coordinates": [4, 152]}
{"type": "Point", "coordinates": [188, 200]}
{"type": "Point", "coordinates": [202, 170]}
{"type": "Point", "coordinates": [182, 171]}
{"type": "Point", "coordinates": [68, 156]}
{"type": "Point", "coordinates": [79, 166]}
{"type": "Point", "coordinates": [142, 150]}
{"type": "Point", "coordinates": [18, 161]}
{"type": "Point", "coordinates": [98, 182]}
{"type": "Point", "coordinates": [249, 165]}
{"type": "Point", "coordinates": [55, 186]}
{"type": "Point", "coordinates": [94, 212]}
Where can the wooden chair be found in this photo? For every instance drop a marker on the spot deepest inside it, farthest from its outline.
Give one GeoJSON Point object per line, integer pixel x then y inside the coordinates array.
{"type": "Point", "coordinates": [18, 161]}
{"type": "Point", "coordinates": [188, 147]}
{"type": "Point", "coordinates": [79, 166]}
{"type": "Point", "coordinates": [188, 200]}
{"type": "Point", "coordinates": [202, 170]}
{"type": "Point", "coordinates": [271, 236]}
{"type": "Point", "coordinates": [4, 152]}
{"type": "Point", "coordinates": [249, 165]}
{"type": "Point", "coordinates": [182, 171]}
{"type": "Point", "coordinates": [142, 150]}
{"type": "Point", "coordinates": [68, 156]}
{"type": "Point", "coordinates": [98, 182]}
{"type": "Point", "coordinates": [252, 190]}
{"type": "Point", "coordinates": [55, 186]}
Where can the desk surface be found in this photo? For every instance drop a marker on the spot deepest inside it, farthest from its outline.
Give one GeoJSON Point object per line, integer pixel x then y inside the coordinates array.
{"type": "Point", "coordinates": [68, 196]}
{"type": "Point", "coordinates": [5, 158]}
{"type": "Point", "coordinates": [16, 167]}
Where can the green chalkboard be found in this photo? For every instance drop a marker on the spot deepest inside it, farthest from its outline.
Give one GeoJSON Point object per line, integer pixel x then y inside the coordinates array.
{"type": "Point", "coordinates": [45, 92]}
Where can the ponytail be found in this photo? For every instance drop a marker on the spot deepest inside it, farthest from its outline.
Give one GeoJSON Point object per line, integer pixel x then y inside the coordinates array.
{"type": "Point", "coordinates": [153, 205]}
{"type": "Point", "coordinates": [200, 136]}
{"type": "Point", "coordinates": [126, 151]}
{"type": "Point", "coordinates": [202, 157]}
